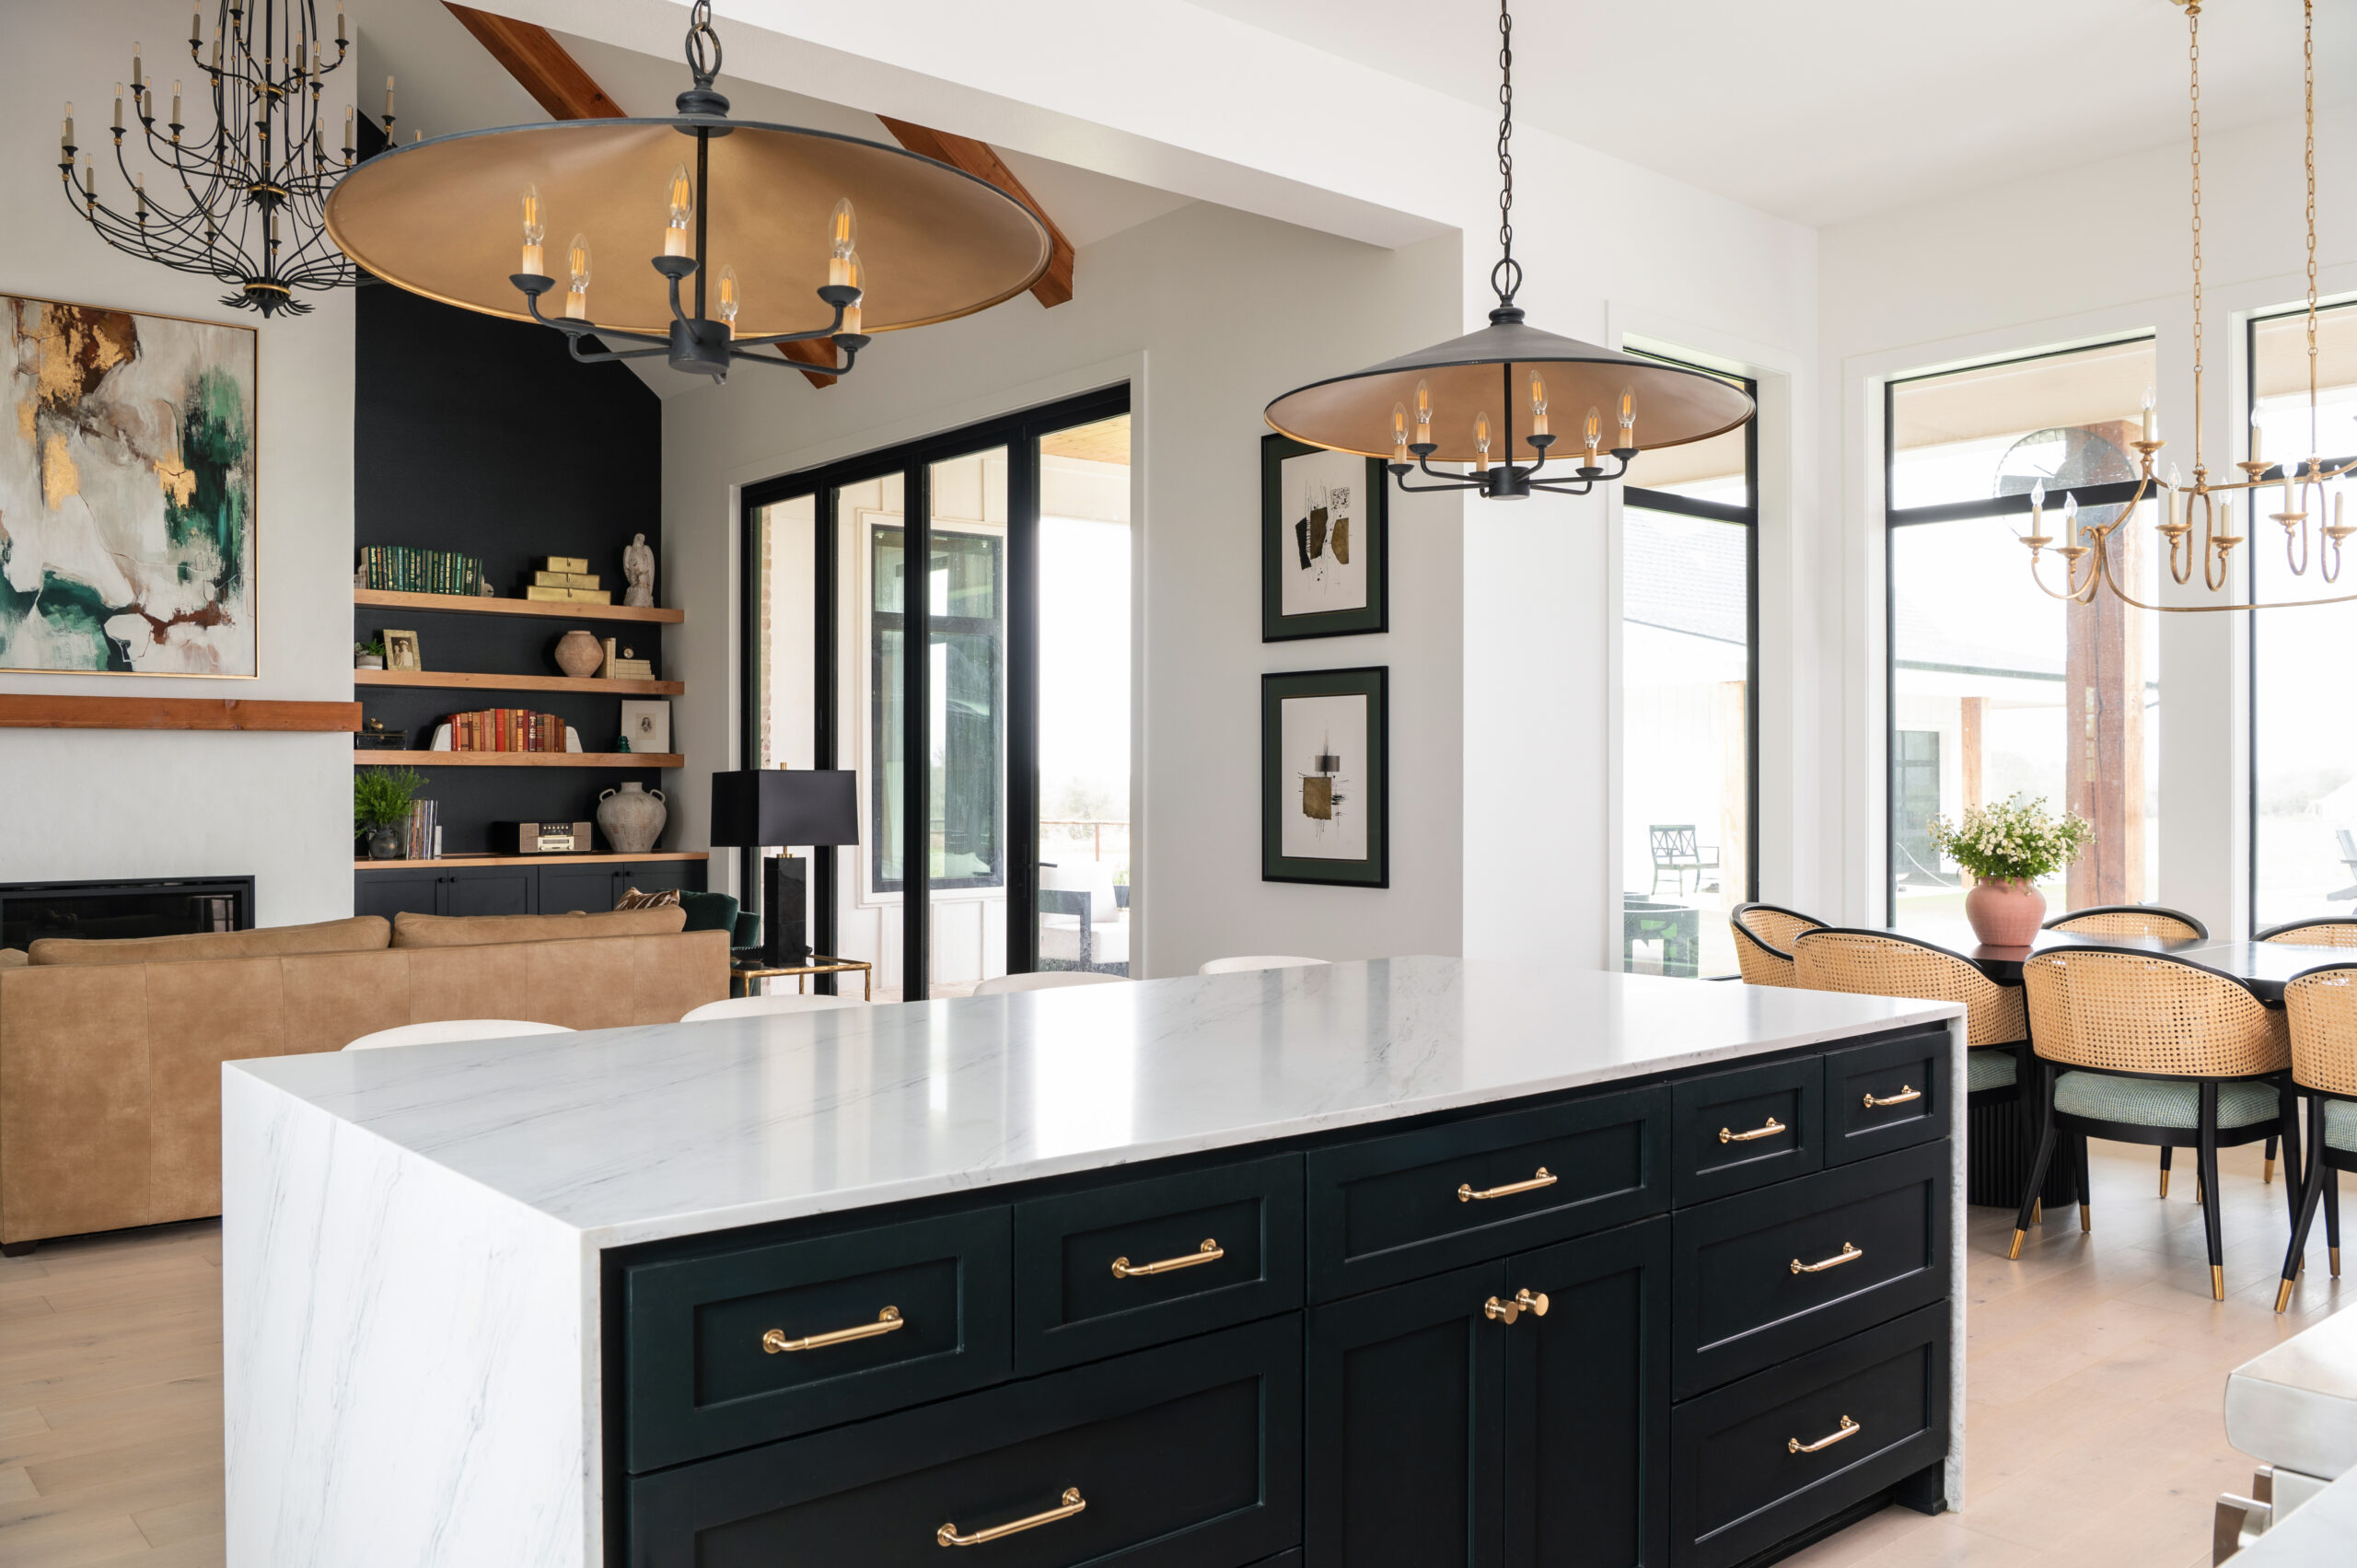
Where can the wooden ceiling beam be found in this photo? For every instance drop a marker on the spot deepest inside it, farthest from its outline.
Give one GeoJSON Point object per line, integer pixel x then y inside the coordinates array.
{"type": "Point", "coordinates": [539, 64]}
{"type": "Point", "coordinates": [976, 159]}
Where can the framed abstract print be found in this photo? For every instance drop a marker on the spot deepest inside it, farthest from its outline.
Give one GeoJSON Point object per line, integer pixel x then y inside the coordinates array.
{"type": "Point", "coordinates": [1325, 542]}
{"type": "Point", "coordinates": [127, 488]}
{"type": "Point", "coordinates": [1326, 777]}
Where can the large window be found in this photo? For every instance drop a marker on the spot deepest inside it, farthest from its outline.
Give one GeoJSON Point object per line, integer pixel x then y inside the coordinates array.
{"type": "Point", "coordinates": [1689, 523]}
{"type": "Point", "coordinates": [1996, 689]}
{"type": "Point", "coordinates": [2304, 764]}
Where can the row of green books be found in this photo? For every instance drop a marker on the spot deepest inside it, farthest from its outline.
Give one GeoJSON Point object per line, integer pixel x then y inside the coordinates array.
{"type": "Point", "coordinates": [401, 568]}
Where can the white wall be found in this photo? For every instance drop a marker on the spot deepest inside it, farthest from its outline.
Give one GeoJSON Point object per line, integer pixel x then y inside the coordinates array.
{"type": "Point", "coordinates": [90, 804]}
{"type": "Point", "coordinates": [1208, 313]}
{"type": "Point", "coordinates": [2069, 256]}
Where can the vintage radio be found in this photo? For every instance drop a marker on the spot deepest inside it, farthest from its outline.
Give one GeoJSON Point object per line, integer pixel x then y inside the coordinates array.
{"type": "Point", "coordinates": [540, 838]}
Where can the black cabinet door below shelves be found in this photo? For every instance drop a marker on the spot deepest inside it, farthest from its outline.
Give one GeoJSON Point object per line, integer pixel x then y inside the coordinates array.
{"type": "Point", "coordinates": [564, 888]}
{"type": "Point", "coordinates": [389, 893]}
{"type": "Point", "coordinates": [490, 889]}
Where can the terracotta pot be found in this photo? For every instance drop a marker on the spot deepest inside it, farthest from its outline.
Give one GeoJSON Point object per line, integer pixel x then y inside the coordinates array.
{"type": "Point", "coordinates": [578, 654]}
{"type": "Point", "coordinates": [632, 818]}
{"type": "Point", "coordinates": [2004, 914]}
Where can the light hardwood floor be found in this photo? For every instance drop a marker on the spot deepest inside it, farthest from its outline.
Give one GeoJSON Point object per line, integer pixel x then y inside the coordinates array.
{"type": "Point", "coordinates": [2096, 1370]}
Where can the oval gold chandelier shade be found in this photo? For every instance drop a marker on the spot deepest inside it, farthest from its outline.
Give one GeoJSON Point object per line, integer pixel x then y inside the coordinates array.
{"type": "Point", "coordinates": [1488, 371]}
{"type": "Point", "coordinates": [439, 218]}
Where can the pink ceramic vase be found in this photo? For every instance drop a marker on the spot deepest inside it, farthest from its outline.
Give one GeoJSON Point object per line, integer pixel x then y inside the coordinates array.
{"type": "Point", "coordinates": [2005, 914]}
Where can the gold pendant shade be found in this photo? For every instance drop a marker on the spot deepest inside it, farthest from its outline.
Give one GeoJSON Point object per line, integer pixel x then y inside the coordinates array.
{"type": "Point", "coordinates": [1488, 371]}
{"type": "Point", "coordinates": [439, 218]}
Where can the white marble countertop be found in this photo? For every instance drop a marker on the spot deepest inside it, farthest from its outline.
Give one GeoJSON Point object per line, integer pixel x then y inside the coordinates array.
{"type": "Point", "coordinates": [2296, 1403]}
{"type": "Point", "coordinates": [629, 1135]}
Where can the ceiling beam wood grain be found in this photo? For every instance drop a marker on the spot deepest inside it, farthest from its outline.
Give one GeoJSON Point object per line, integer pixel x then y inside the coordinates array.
{"type": "Point", "coordinates": [977, 158]}
{"type": "Point", "coordinates": [541, 65]}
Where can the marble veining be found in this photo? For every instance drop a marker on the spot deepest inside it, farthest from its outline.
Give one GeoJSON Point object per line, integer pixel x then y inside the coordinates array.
{"type": "Point", "coordinates": [628, 1135]}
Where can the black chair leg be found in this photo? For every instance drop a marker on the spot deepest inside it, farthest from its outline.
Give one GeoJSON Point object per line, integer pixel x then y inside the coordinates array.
{"type": "Point", "coordinates": [2304, 1215]}
{"type": "Point", "coordinates": [2211, 1230]}
{"type": "Point", "coordinates": [2165, 1152]}
{"type": "Point", "coordinates": [2289, 1131]}
{"type": "Point", "coordinates": [2267, 1169]}
{"type": "Point", "coordinates": [2331, 1210]}
{"type": "Point", "coordinates": [2046, 1133]}
{"type": "Point", "coordinates": [2079, 1164]}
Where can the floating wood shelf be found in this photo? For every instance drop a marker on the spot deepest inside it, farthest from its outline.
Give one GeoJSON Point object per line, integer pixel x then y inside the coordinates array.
{"type": "Point", "coordinates": [454, 679]}
{"type": "Point", "coordinates": [530, 860]}
{"type": "Point", "coordinates": [469, 604]}
{"type": "Point", "coordinates": [518, 760]}
{"type": "Point", "coordinates": [43, 711]}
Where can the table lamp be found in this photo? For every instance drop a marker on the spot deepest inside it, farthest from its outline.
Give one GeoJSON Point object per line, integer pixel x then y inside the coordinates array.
{"type": "Point", "coordinates": [766, 808]}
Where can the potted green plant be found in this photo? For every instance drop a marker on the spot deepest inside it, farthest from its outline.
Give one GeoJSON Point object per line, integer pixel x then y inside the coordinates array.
{"type": "Point", "coordinates": [2007, 847]}
{"type": "Point", "coordinates": [368, 655]}
{"type": "Point", "coordinates": [380, 801]}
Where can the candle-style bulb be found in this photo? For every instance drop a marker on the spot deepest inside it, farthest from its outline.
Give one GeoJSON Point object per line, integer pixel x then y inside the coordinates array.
{"type": "Point", "coordinates": [1628, 417]}
{"type": "Point", "coordinates": [1592, 434]}
{"type": "Point", "coordinates": [2071, 517]}
{"type": "Point", "coordinates": [67, 139]}
{"type": "Point", "coordinates": [1537, 406]}
{"type": "Point", "coordinates": [176, 101]}
{"type": "Point", "coordinates": [730, 297]}
{"type": "Point", "coordinates": [2037, 499]}
{"type": "Point", "coordinates": [118, 108]}
{"type": "Point", "coordinates": [679, 195]}
{"type": "Point", "coordinates": [1399, 433]}
{"type": "Point", "coordinates": [1482, 436]}
{"type": "Point", "coordinates": [842, 239]}
{"type": "Point", "coordinates": [2173, 476]}
{"type": "Point", "coordinates": [534, 263]}
{"type": "Point", "coordinates": [857, 279]}
{"type": "Point", "coordinates": [1423, 410]}
{"type": "Point", "coordinates": [2152, 401]}
{"type": "Point", "coordinates": [2258, 445]}
{"type": "Point", "coordinates": [577, 299]}
{"type": "Point", "coordinates": [136, 77]}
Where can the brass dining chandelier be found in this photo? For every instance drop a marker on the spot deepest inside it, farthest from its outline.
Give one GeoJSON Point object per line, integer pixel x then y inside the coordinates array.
{"type": "Point", "coordinates": [1437, 403]}
{"type": "Point", "coordinates": [750, 229]}
{"type": "Point", "coordinates": [239, 200]}
{"type": "Point", "coordinates": [2312, 532]}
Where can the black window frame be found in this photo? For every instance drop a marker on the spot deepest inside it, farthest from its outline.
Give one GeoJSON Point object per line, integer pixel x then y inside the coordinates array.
{"type": "Point", "coordinates": [1745, 516]}
{"type": "Point", "coordinates": [1896, 518]}
{"type": "Point", "coordinates": [1019, 433]}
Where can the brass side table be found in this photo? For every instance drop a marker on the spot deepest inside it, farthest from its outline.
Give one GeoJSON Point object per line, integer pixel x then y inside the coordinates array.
{"type": "Point", "coordinates": [741, 977]}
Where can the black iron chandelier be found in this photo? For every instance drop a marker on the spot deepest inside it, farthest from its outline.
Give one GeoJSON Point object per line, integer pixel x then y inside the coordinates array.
{"type": "Point", "coordinates": [771, 203]}
{"type": "Point", "coordinates": [241, 202]}
{"type": "Point", "coordinates": [1392, 410]}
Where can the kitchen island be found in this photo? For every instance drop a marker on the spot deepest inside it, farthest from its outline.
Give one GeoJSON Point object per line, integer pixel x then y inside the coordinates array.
{"type": "Point", "coordinates": [1536, 1256]}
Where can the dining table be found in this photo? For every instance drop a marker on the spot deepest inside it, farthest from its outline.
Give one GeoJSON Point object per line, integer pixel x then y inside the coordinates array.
{"type": "Point", "coordinates": [1998, 1138]}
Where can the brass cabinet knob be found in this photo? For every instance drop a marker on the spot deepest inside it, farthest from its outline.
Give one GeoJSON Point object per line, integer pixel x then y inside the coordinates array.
{"type": "Point", "coordinates": [1534, 1303]}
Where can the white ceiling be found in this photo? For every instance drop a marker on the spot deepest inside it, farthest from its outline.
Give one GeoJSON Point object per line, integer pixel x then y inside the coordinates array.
{"type": "Point", "coordinates": [1826, 109]}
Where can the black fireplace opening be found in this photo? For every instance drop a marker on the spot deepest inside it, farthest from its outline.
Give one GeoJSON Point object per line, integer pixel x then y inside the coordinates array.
{"type": "Point", "coordinates": [105, 911]}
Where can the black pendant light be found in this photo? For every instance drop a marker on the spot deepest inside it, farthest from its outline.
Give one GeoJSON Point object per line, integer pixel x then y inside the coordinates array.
{"type": "Point", "coordinates": [1457, 401]}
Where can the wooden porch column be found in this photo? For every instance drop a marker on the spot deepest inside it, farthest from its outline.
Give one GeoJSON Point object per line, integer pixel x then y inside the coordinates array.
{"type": "Point", "coordinates": [1973, 713]}
{"type": "Point", "coordinates": [2104, 723]}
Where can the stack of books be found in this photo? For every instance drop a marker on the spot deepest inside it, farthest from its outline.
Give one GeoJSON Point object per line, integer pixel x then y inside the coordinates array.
{"type": "Point", "coordinates": [424, 830]}
{"type": "Point", "coordinates": [566, 579]}
{"type": "Point", "coordinates": [507, 729]}
{"type": "Point", "coordinates": [620, 666]}
{"type": "Point", "coordinates": [398, 568]}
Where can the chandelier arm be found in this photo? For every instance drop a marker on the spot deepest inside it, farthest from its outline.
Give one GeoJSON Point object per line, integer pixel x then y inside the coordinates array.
{"type": "Point", "coordinates": [1400, 472]}
{"type": "Point", "coordinates": [768, 338]}
{"type": "Point", "coordinates": [605, 356]}
{"type": "Point", "coordinates": [577, 329]}
{"type": "Point", "coordinates": [1563, 487]}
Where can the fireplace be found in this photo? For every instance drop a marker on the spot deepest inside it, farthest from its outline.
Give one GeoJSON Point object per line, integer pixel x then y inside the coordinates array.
{"type": "Point", "coordinates": [170, 906]}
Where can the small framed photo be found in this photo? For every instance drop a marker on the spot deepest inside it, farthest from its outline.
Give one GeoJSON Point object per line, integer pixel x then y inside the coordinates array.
{"type": "Point", "coordinates": [401, 651]}
{"type": "Point", "coordinates": [1325, 542]}
{"type": "Point", "coordinates": [1326, 777]}
{"type": "Point", "coordinates": [646, 724]}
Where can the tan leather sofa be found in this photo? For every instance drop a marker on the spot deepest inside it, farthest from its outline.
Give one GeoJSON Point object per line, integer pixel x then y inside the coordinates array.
{"type": "Point", "coordinates": [111, 1072]}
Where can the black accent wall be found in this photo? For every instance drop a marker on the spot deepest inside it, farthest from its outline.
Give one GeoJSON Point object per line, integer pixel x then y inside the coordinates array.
{"type": "Point", "coordinates": [483, 436]}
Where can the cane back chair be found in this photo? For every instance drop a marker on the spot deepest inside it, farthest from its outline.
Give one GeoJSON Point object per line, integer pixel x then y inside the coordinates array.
{"type": "Point", "coordinates": [2321, 1006]}
{"type": "Point", "coordinates": [1763, 942]}
{"type": "Point", "coordinates": [1877, 963]}
{"type": "Point", "coordinates": [2132, 920]}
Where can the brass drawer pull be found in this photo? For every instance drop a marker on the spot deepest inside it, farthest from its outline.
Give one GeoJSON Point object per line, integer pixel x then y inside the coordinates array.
{"type": "Point", "coordinates": [1466, 1194]}
{"type": "Point", "coordinates": [1524, 1301]}
{"type": "Point", "coordinates": [1907, 1093]}
{"type": "Point", "coordinates": [1770, 1131]}
{"type": "Point", "coordinates": [886, 1321]}
{"type": "Point", "coordinates": [1073, 1504]}
{"type": "Point", "coordinates": [1209, 1252]}
{"type": "Point", "coordinates": [1850, 1252]}
{"type": "Point", "coordinates": [1849, 1429]}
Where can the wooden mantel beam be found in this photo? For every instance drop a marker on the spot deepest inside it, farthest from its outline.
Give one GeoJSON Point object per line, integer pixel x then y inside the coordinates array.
{"type": "Point", "coordinates": [542, 65]}
{"type": "Point", "coordinates": [977, 158]}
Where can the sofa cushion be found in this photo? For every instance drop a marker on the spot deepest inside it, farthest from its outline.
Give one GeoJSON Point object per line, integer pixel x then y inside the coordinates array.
{"type": "Point", "coordinates": [482, 930]}
{"type": "Point", "coordinates": [361, 934]}
{"type": "Point", "coordinates": [14, 958]}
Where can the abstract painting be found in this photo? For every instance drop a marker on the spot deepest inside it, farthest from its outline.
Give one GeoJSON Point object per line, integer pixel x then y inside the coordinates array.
{"type": "Point", "coordinates": [1324, 543]}
{"type": "Point", "coordinates": [127, 486]}
{"type": "Point", "coordinates": [1325, 777]}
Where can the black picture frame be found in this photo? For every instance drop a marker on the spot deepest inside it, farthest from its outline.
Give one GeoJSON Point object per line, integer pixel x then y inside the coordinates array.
{"type": "Point", "coordinates": [1277, 538]}
{"type": "Point", "coordinates": [1281, 786]}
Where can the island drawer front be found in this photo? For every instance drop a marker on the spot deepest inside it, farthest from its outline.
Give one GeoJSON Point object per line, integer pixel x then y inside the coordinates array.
{"type": "Point", "coordinates": [1887, 1096]}
{"type": "Point", "coordinates": [1071, 1305]}
{"type": "Point", "coordinates": [1737, 1131]}
{"type": "Point", "coordinates": [1870, 1241]}
{"type": "Point", "coordinates": [1187, 1454]}
{"type": "Point", "coordinates": [1739, 1487]}
{"type": "Point", "coordinates": [1400, 1208]}
{"type": "Point", "coordinates": [701, 1378]}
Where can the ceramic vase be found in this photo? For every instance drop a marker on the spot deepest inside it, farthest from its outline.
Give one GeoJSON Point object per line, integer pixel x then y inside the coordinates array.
{"type": "Point", "coordinates": [632, 818]}
{"type": "Point", "coordinates": [578, 654]}
{"type": "Point", "coordinates": [385, 842]}
{"type": "Point", "coordinates": [2005, 914]}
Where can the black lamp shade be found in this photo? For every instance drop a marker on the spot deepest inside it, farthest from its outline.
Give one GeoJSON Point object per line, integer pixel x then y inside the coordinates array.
{"type": "Point", "coordinates": [769, 806]}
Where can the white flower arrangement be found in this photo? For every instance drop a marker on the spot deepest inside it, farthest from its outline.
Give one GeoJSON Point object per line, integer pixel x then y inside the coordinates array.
{"type": "Point", "coordinates": [2013, 841]}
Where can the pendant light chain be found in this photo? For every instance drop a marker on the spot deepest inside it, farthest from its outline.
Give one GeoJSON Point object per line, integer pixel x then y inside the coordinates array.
{"type": "Point", "coordinates": [2193, 54]}
{"type": "Point", "coordinates": [703, 44]}
{"type": "Point", "coordinates": [2308, 47]}
{"type": "Point", "coordinates": [1506, 277]}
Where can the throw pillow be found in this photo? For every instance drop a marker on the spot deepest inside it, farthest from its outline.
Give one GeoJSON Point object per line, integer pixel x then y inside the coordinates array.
{"type": "Point", "coordinates": [634, 899]}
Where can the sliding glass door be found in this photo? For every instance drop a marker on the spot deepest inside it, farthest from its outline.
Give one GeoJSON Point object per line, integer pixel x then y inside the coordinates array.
{"type": "Point", "coordinates": [947, 546]}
